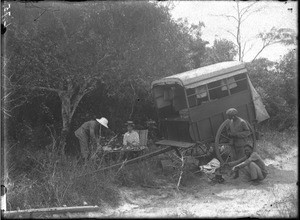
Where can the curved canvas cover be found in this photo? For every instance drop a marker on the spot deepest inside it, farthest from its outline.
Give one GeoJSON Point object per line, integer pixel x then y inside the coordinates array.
{"type": "Point", "coordinates": [203, 75]}
{"type": "Point", "coordinates": [260, 110]}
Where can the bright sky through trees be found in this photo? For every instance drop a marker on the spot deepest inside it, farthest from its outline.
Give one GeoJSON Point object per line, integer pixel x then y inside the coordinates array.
{"type": "Point", "coordinates": [277, 14]}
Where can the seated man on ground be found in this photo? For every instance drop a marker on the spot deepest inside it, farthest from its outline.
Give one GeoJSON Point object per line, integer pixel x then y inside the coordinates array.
{"type": "Point", "coordinates": [131, 139]}
{"type": "Point", "coordinates": [252, 164]}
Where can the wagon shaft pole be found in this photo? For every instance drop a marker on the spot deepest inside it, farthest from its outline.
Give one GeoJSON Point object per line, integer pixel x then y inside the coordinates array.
{"type": "Point", "coordinates": [143, 157]}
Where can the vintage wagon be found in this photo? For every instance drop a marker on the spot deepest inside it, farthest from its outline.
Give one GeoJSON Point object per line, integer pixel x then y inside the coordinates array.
{"type": "Point", "coordinates": [191, 109]}
{"type": "Point", "coordinates": [191, 106]}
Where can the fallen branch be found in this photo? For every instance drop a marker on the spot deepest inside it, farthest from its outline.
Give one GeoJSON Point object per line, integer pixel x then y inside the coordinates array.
{"type": "Point", "coordinates": [29, 212]}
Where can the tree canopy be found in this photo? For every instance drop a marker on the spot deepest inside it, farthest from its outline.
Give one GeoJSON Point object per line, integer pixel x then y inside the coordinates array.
{"type": "Point", "coordinates": [222, 50]}
{"type": "Point", "coordinates": [70, 50]}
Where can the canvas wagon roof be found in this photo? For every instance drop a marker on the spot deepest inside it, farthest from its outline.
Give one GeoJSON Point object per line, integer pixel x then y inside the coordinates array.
{"type": "Point", "coordinates": [203, 75]}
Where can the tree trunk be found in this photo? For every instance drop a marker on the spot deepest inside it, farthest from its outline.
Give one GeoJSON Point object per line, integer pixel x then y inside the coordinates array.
{"type": "Point", "coordinates": [69, 102]}
{"type": "Point", "coordinates": [238, 34]}
{"type": "Point", "coordinates": [66, 120]}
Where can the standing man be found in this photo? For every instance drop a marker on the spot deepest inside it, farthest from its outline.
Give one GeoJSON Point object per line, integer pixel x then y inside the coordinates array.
{"type": "Point", "coordinates": [238, 130]}
{"type": "Point", "coordinates": [89, 135]}
{"type": "Point", "coordinates": [253, 164]}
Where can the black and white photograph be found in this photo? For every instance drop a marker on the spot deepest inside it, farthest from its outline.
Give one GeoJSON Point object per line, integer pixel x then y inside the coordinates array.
{"type": "Point", "coordinates": [149, 109]}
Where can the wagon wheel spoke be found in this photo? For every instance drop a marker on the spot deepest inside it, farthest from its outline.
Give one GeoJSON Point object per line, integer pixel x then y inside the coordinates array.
{"type": "Point", "coordinates": [222, 148]}
{"type": "Point", "coordinates": [223, 141]}
{"type": "Point", "coordinates": [224, 136]}
{"type": "Point", "coordinates": [227, 150]}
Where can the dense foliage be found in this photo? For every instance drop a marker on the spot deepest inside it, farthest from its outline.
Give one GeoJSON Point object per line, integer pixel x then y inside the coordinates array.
{"type": "Point", "coordinates": [276, 83]}
{"type": "Point", "coordinates": [74, 57]}
{"type": "Point", "coordinates": [65, 64]}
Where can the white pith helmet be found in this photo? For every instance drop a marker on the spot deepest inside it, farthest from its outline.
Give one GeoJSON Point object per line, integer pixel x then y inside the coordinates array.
{"type": "Point", "coordinates": [103, 121]}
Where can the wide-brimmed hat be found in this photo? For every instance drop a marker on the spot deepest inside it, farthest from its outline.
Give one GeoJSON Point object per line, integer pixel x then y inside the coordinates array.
{"type": "Point", "coordinates": [231, 111]}
{"type": "Point", "coordinates": [103, 121]}
{"type": "Point", "coordinates": [130, 123]}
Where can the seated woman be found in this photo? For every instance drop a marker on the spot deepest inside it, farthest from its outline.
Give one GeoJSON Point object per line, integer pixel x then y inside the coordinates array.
{"type": "Point", "coordinates": [131, 140]}
{"type": "Point", "coordinates": [131, 137]}
{"type": "Point", "coordinates": [253, 164]}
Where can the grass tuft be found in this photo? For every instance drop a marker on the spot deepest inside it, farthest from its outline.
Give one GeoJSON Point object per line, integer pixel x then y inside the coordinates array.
{"type": "Point", "coordinates": [275, 143]}
{"type": "Point", "coordinates": [139, 174]}
{"type": "Point", "coordinates": [288, 206]}
{"type": "Point", "coordinates": [53, 181]}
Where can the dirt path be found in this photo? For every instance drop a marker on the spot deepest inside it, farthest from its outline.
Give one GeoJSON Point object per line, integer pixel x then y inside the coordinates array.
{"type": "Point", "coordinates": [234, 198]}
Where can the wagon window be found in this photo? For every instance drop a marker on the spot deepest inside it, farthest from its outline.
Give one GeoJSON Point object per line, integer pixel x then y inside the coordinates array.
{"type": "Point", "coordinates": [214, 84]}
{"type": "Point", "coordinates": [240, 76]}
{"type": "Point", "coordinates": [190, 91]}
{"type": "Point", "coordinates": [197, 96]}
{"type": "Point", "coordinates": [238, 84]}
{"type": "Point", "coordinates": [231, 83]}
{"type": "Point", "coordinates": [201, 94]}
{"type": "Point", "coordinates": [192, 101]}
{"type": "Point", "coordinates": [218, 89]}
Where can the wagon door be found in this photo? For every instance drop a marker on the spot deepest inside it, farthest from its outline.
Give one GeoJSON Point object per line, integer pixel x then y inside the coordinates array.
{"type": "Point", "coordinates": [172, 112]}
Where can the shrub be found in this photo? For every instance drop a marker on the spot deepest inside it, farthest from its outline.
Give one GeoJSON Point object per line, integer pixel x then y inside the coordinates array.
{"type": "Point", "coordinates": [274, 143]}
{"type": "Point", "coordinates": [54, 181]}
{"type": "Point", "coordinates": [50, 180]}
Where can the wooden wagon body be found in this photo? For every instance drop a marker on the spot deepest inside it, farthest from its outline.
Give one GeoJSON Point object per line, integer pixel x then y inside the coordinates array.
{"type": "Point", "coordinates": [191, 106]}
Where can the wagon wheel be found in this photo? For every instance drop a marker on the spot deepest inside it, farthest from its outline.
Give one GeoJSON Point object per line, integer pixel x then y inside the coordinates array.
{"type": "Point", "coordinates": [222, 141]}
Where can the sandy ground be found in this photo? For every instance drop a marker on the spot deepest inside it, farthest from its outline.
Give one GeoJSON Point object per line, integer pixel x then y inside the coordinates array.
{"type": "Point", "coordinates": [233, 198]}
